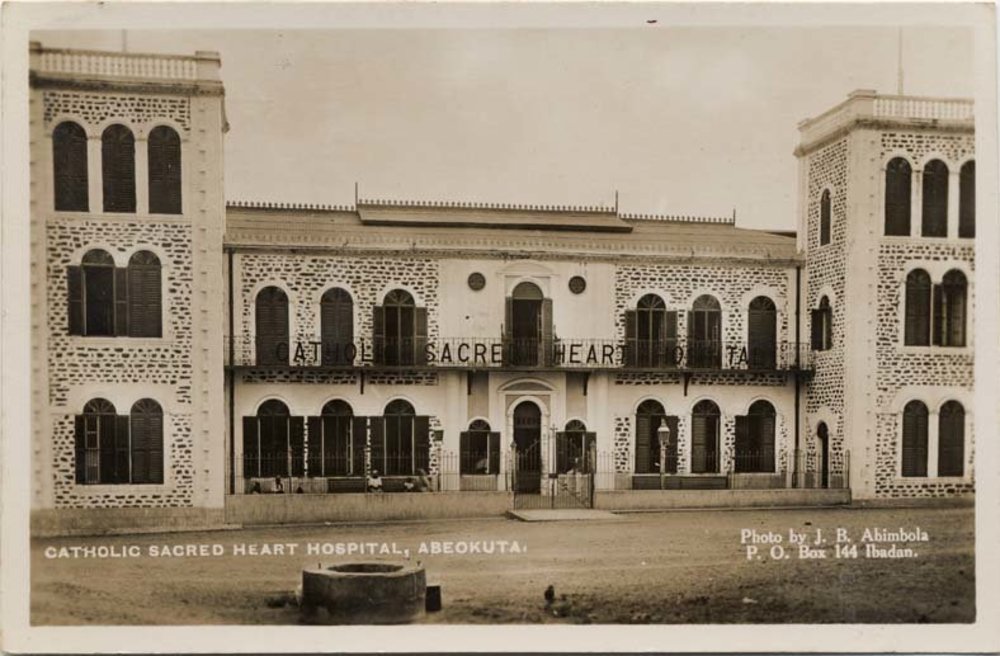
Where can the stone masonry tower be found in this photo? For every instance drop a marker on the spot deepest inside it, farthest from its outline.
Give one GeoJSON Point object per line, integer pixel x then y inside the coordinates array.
{"type": "Point", "coordinates": [127, 217]}
{"type": "Point", "coordinates": [887, 225]}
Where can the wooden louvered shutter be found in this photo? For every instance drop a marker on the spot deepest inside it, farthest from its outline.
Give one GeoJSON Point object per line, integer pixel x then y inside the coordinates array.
{"type": "Point", "coordinates": [297, 444]}
{"type": "Point", "coordinates": [494, 451]}
{"type": "Point", "coordinates": [80, 450]}
{"type": "Point", "coordinates": [673, 423]}
{"type": "Point", "coordinates": [693, 342]}
{"type": "Point", "coordinates": [139, 427]}
{"type": "Point", "coordinates": [546, 333]}
{"type": "Point", "coordinates": [121, 302]}
{"type": "Point", "coordinates": [914, 443]}
{"type": "Point", "coordinates": [700, 426]}
{"type": "Point", "coordinates": [421, 442]}
{"type": "Point", "coordinates": [69, 159]}
{"type": "Point", "coordinates": [74, 283]}
{"type": "Point", "coordinates": [939, 325]}
{"type": "Point", "coordinates": [766, 443]}
{"type": "Point", "coordinates": [378, 334]}
{"type": "Point", "coordinates": [420, 335]}
{"type": "Point", "coordinates": [154, 447]}
{"type": "Point", "coordinates": [314, 444]}
{"type": "Point", "coordinates": [951, 442]}
{"type": "Point", "coordinates": [377, 447]}
{"type": "Point", "coordinates": [121, 449]}
{"type": "Point", "coordinates": [164, 158]}
{"type": "Point", "coordinates": [744, 448]}
{"type": "Point", "coordinates": [144, 302]}
{"type": "Point", "coordinates": [251, 448]}
{"type": "Point", "coordinates": [670, 339]}
{"type": "Point", "coordinates": [106, 448]}
{"type": "Point", "coordinates": [359, 440]}
{"type": "Point", "coordinates": [643, 428]}
{"type": "Point", "coordinates": [631, 338]}
{"type": "Point", "coordinates": [816, 324]}
{"type": "Point", "coordinates": [918, 312]}
{"type": "Point", "coordinates": [118, 169]}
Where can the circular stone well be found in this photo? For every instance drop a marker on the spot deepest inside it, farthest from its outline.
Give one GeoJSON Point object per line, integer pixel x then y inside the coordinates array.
{"type": "Point", "coordinates": [365, 593]}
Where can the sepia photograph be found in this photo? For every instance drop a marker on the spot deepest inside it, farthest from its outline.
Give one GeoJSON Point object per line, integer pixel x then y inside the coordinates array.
{"type": "Point", "coordinates": [368, 315]}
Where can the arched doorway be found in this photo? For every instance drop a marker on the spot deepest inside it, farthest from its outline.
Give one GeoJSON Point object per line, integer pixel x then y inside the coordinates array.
{"type": "Point", "coordinates": [823, 435]}
{"type": "Point", "coordinates": [529, 317]}
{"type": "Point", "coordinates": [527, 447]}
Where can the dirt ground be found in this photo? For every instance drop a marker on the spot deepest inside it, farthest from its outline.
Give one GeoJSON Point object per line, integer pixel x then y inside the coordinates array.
{"type": "Point", "coordinates": [676, 567]}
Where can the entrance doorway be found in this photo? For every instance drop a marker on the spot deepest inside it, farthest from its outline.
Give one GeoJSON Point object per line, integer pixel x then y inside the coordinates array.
{"type": "Point", "coordinates": [528, 448]}
{"type": "Point", "coordinates": [823, 435]}
{"type": "Point", "coordinates": [525, 324]}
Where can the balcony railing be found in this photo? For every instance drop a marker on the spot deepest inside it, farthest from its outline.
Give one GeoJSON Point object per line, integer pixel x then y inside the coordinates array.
{"type": "Point", "coordinates": [308, 351]}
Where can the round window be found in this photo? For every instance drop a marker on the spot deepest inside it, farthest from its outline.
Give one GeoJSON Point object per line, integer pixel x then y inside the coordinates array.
{"type": "Point", "coordinates": [476, 281]}
{"type": "Point", "coordinates": [577, 284]}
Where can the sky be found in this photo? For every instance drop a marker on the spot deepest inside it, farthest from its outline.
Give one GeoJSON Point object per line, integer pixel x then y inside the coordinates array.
{"type": "Point", "coordinates": [676, 120]}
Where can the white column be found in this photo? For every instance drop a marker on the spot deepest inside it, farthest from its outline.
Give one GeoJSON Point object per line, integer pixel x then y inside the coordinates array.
{"type": "Point", "coordinates": [916, 202]}
{"type": "Point", "coordinates": [953, 196]}
{"type": "Point", "coordinates": [141, 175]}
{"type": "Point", "coordinates": [95, 177]}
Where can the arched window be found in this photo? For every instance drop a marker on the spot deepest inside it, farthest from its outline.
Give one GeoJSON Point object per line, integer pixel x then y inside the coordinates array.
{"type": "Point", "coordinates": [400, 443]}
{"type": "Point", "coordinates": [705, 333]}
{"type": "Point", "coordinates": [823, 435]}
{"type": "Point", "coordinates": [146, 422]}
{"type": "Point", "coordinates": [822, 325]}
{"type": "Point", "coordinates": [575, 449]}
{"type": "Point", "coordinates": [400, 330]}
{"type": "Point", "coordinates": [273, 443]}
{"type": "Point", "coordinates": [118, 168]}
{"type": "Point", "coordinates": [705, 424]}
{"type": "Point", "coordinates": [651, 425]}
{"type": "Point", "coordinates": [967, 200]}
{"type": "Point", "coordinates": [651, 334]}
{"type": "Point", "coordinates": [271, 322]}
{"type": "Point", "coordinates": [144, 292]}
{"type": "Point", "coordinates": [337, 327]}
{"type": "Point", "coordinates": [92, 296]}
{"type": "Point", "coordinates": [164, 171]}
{"type": "Point", "coordinates": [950, 310]}
{"type": "Point", "coordinates": [935, 200]}
{"type": "Point", "coordinates": [762, 333]}
{"type": "Point", "coordinates": [69, 168]}
{"type": "Point", "coordinates": [480, 449]}
{"type": "Point", "coordinates": [915, 439]}
{"type": "Point", "coordinates": [528, 326]}
{"type": "Point", "coordinates": [824, 218]}
{"type": "Point", "coordinates": [898, 178]}
{"type": "Point", "coordinates": [755, 439]}
{"type": "Point", "coordinates": [333, 446]}
{"type": "Point", "coordinates": [917, 331]}
{"type": "Point", "coordinates": [101, 452]}
{"type": "Point", "coordinates": [951, 439]}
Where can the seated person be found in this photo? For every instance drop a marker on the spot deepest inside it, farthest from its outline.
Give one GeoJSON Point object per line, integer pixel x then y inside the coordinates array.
{"type": "Point", "coordinates": [374, 482]}
{"type": "Point", "coordinates": [423, 482]}
{"type": "Point", "coordinates": [279, 487]}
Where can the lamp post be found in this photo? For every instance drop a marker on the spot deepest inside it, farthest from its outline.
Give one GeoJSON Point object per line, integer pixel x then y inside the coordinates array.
{"type": "Point", "coordinates": [663, 435]}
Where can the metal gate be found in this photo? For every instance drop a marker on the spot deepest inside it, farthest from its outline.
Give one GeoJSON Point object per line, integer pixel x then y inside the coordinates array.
{"type": "Point", "coordinates": [535, 490]}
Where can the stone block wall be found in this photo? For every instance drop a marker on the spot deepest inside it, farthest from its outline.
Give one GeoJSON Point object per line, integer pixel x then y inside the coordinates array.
{"type": "Point", "coordinates": [826, 268]}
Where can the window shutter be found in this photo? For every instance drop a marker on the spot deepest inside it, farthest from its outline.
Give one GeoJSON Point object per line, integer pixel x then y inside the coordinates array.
{"type": "Point", "coordinates": [378, 334]}
{"type": "Point", "coordinates": [918, 310]}
{"type": "Point", "coordinates": [144, 303]}
{"type": "Point", "coordinates": [915, 442]}
{"type": "Point", "coordinates": [139, 430]}
{"type": "Point", "coordinates": [118, 169]}
{"type": "Point", "coordinates": [670, 339]}
{"type": "Point", "coordinates": [643, 428]}
{"type": "Point", "coordinates": [121, 453]}
{"type": "Point", "coordinates": [816, 324]}
{"type": "Point", "coordinates": [693, 354]}
{"type": "Point", "coordinates": [251, 450]}
{"type": "Point", "coordinates": [69, 159]}
{"type": "Point", "coordinates": [699, 443]}
{"type": "Point", "coordinates": [422, 442]}
{"type": "Point", "coordinates": [297, 443]}
{"type": "Point", "coordinates": [74, 282]}
{"type": "Point", "coordinates": [956, 316]}
{"type": "Point", "coordinates": [164, 159]}
{"type": "Point", "coordinates": [80, 452]}
{"type": "Point", "coordinates": [673, 423]}
{"type": "Point", "coordinates": [377, 446]}
{"type": "Point", "coordinates": [508, 318]}
{"type": "Point", "coordinates": [967, 201]}
{"type": "Point", "coordinates": [743, 446]}
{"type": "Point", "coordinates": [951, 442]}
{"type": "Point", "coordinates": [546, 332]}
{"type": "Point", "coordinates": [494, 451]}
{"type": "Point", "coordinates": [154, 445]}
{"type": "Point", "coordinates": [106, 449]}
{"type": "Point", "coordinates": [766, 443]}
{"type": "Point", "coordinates": [938, 316]}
{"type": "Point", "coordinates": [420, 335]}
{"type": "Point", "coordinates": [359, 440]}
{"type": "Point", "coordinates": [121, 302]}
{"type": "Point", "coordinates": [921, 445]}
{"type": "Point", "coordinates": [631, 338]}
{"type": "Point", "coordinates": [314, 444]}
